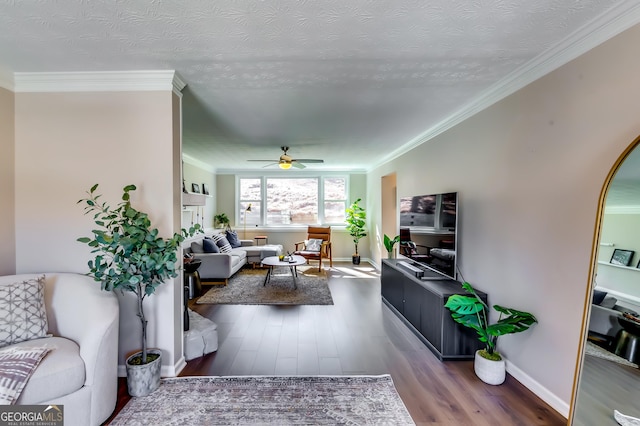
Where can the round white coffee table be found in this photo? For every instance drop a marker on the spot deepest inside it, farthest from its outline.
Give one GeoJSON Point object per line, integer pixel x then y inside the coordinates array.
{"type": "Point", "coordinates": [272, 261]}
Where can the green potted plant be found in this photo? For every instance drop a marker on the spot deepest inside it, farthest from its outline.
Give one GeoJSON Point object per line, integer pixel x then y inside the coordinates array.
{"type": "Point", "coordinates": [356, 221]}
{"type": "Point", "coordinates": [389, 243]}
{"type": "Point", "coordinates": [130, 256]}
{"type": "Point", "coordinates": [472, 311]}
{"type": "Point", "coordinates": [221, 220]}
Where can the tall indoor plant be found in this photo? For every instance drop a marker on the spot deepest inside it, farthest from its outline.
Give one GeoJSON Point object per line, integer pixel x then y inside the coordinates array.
{"type": "Point", "coordinates": [131, 256]}
{"type": "Point", "coordinates": [356, 222]}
{"type": "Point", "coordinates": [473, 312]}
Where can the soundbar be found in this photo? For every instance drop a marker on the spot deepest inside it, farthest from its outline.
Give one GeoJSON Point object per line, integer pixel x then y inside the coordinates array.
{"type": "Point", "coordinates": [416, 271]}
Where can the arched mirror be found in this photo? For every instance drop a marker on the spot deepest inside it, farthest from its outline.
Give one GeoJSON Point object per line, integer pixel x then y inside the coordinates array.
{"type": "Point", "coordinates": [608, 385]}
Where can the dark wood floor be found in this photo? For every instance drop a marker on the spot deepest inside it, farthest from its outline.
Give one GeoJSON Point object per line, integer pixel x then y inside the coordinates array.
{"type": "Point", "coordinates": [359, 335]}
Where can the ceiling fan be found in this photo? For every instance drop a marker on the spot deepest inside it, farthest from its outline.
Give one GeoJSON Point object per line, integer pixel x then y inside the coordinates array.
{"type": "Point", "coordinates": [286, 162]}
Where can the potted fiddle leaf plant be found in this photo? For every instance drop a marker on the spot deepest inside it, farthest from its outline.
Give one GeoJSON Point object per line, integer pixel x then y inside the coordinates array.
{"type": "Point", "coordinates": [356, 222]}
{"type": "Point", "coordinates": [471, 311]}
{"type": "Point", "coordinates": [131, 256]}
{"type": "Point", "coordinates": [389, 243]}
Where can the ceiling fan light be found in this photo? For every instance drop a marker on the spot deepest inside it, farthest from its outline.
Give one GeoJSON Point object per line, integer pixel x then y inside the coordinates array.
{"type": "Point", "coordinates": [284, 165]}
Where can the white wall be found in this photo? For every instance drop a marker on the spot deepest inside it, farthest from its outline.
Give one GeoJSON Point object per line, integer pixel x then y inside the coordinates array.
{"type": "Point", "coordinates": [199, 214]}
{"type": "Point", "coordinates": [66, 142]}
{"type": "Point", "coordinates": [7, 169]}
{"type": "Point", "coordinates": [623, 231]}
{"type": "Point", "coordinates": [529, 171]}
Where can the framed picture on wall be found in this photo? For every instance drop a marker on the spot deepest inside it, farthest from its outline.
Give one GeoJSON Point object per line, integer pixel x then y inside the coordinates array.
{"type": "Point", "coordinates": [205, 189]}
{"type": "Point", "coordinates": [195, 188]}
{"type": "Point", "coordinates": [621, 257]}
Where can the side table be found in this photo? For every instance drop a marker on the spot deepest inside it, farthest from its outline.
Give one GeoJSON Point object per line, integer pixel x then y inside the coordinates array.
{"type": "Point", "coordinates": [262, 238]}
{"type": "Point", "coordinates": [192, 278]}
{"type": "Point", "coordinates": [627, 341]}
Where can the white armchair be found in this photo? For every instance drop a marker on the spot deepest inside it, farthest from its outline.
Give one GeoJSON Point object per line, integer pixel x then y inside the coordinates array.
{"type": "Point", "coordinates": [81, 370]}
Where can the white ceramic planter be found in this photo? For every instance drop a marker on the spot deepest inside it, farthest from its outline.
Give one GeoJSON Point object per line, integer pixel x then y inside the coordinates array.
{"type": "Point", "coordinates": [490, 372]}
{"type": "Point", "coordinates": [142, 380]}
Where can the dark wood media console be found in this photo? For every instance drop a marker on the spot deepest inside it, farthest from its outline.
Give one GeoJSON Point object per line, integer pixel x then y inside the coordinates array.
{"type": "Point", "coordinates": [419, 302]}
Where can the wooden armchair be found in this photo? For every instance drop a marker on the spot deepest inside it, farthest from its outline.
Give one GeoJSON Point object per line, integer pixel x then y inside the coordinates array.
{"type": "Point", "coordinates": [308, 252]}
{"type": "Point", "coordinates": [412, 250]}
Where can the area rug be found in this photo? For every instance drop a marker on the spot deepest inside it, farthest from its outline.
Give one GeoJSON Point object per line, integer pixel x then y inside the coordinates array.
{"type": "Point", "coordinates": [268, 400]}
{"type": "Point", "coordinates": [246, 288]}
{"type": "Point", "coordinates": [597, 351]}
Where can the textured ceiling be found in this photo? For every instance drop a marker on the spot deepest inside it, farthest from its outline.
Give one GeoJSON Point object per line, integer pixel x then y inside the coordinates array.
{"type": "Point", "coordinates": [345, 81]}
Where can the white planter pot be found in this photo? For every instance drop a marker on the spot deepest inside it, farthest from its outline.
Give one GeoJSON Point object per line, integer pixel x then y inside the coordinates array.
{"type": "Point", "coordinates": [490, 372]}
{"type": "Point", "coordinates": [142, 380]}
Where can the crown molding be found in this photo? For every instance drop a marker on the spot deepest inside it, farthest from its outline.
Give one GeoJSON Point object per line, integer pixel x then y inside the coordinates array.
{"type": "Point", "coordinates": [178, 84]}
{"type": "Point", "coordinates": [6, 80]}
{"type": "Point", "coordinates": [197, 163]}
{"type": "Point", "coordinates": [618, 19]}
{"type": "Point", "coordinates": [622, 210]}
{"type": "Point", "coordinates": [98, 81]}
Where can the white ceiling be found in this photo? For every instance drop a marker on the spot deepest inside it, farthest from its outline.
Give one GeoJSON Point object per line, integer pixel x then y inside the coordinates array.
{"type": "Point", "coordinates": [351, 82]}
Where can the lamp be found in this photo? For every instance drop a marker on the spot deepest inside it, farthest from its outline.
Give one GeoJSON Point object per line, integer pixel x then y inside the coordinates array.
{"type": "Point", "coordinates": [284, 165]}
{"type": "Point", "coordinates": [247, 210]}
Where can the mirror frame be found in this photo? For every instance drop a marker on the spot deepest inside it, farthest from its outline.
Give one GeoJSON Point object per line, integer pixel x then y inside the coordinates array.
{"type": "Point", "coordinates": [586, 314]}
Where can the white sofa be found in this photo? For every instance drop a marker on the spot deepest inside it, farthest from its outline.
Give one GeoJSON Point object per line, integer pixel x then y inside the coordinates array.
{"type": "Point", "coordinates": [80, 372]}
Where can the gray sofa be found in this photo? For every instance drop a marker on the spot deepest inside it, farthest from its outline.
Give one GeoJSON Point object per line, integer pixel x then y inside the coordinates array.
{"type": "Point", "coordinates": [604, 315]}
{"type": "Point", "coordinates": [218, 266]}
{"type": "Point", "coordinates": [222, 266]}
{"type": "Point", "coordinates": [81, 370]}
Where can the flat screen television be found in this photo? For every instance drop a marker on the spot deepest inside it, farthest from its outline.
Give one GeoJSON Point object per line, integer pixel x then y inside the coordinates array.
{"type": "Point", "coordinates": [433, 222]}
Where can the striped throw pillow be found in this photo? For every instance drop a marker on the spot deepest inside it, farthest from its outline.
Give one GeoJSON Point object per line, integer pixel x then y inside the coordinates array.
{"type": "Point", "coordinates": [222, 242]}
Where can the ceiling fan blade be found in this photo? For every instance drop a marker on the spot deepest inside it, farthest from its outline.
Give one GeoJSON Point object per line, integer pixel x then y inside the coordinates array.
{"type": "Point", "coordinates": [263, 161]}
{"type": "Point", "coordinates": [298, 165]}
{"type": "Point", "coordinates": [308, 160]}
{"type": "Point", "coordinates": [269, 165]}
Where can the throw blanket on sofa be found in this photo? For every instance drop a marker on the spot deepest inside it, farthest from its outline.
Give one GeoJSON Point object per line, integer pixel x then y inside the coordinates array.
{"type": "Point", "coordinates": [16, 367]}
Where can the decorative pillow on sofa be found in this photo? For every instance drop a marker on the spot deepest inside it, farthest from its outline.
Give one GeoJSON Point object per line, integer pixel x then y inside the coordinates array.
{"type": "Point", "coordinates": [313, 244]}
{"type": "Point", "coordinates": [16, 367]}
{"type": "Point", "coordinates": [209, 246]}
{"type": "Point", "coordinates": [232, 237]}
{"type": "Point", "coordinates": [222, 243]}
{"type": "Point", "coordinates": [598, 297]}
{"type": "Point", "coordinates": [22, 311]}
{"type": "Point", "coordinates": [197, 247]}
{"type": "Point", "coordinates": [609, 302]}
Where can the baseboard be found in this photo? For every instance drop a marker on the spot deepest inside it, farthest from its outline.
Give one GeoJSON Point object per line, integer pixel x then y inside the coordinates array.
{"type": "Point", "coordinates": [541, 392]}
{"type": "Point", "coordinates": [165, 370]}
{"type": "Point", "coordinates": [180, 365]}
{"type": "Point", "coordinates": [348, 259]}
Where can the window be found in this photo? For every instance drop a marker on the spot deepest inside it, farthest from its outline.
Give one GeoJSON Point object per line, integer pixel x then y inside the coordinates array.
{"type": "Point", "coordinates": [335, 199]}
{"type": "Point", "coordinates": [250, 196]}
{"type": "Point", "coordinates": [293, 201]}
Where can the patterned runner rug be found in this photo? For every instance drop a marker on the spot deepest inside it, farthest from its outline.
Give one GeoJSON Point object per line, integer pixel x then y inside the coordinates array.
{"type": "Point", "coordinates": [246, 288]}
{"type": "Point", "coordinates": [295, 400]}
{"type": "Point", "coordinates": [597, 351]}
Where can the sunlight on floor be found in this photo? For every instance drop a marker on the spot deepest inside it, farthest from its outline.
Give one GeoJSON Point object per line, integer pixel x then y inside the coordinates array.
{"type": "Point", "coordinates": [355, 271]}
